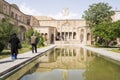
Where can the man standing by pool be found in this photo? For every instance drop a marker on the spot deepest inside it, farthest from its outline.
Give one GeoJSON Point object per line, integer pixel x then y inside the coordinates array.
{"type": "Point", "coordinates": [34, 43]}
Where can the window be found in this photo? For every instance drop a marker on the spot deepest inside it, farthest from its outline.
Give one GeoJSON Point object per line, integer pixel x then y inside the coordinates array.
{"type": "Point", "coordinates": [74, 35]}
{"type": "Point", "coordinates": [88, 36]}
{"type": "Point", "coordinates": [16, 16]}
{"type": "Point", "coordinates": [12, 14]}
{"type": "Point", "coordinates": [28, 21]}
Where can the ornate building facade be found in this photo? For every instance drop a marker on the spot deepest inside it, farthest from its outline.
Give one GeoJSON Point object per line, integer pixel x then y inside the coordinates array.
{"type": "Point", "coordinates": [23, 21]}
{"type": "Point", "coordinates": [66, 31]}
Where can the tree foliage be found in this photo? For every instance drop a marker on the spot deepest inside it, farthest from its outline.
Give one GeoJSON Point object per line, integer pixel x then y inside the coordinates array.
{"type": "Point", "coordinates": [106, 32]}
{"type": "Point", "coordinates": [116, 28]}
{"type": "Point", "coordinates": [98, 13]}
{"type": "Point", "coordinates": [6, 30]}
{"type": "Point", "coordinates": [41, 39]}
{"type": "Point", "coordinates": [98, 17]}
{"type": "Point", "coordinates": [103, 33]}
{"type": "Point", "coordinates": [29, 33]}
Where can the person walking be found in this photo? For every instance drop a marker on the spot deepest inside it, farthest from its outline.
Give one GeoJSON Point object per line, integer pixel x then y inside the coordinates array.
{"type": "Point", "coordinates": [34, 43]}
{"type": "Point", "coordinates": [14, 41]}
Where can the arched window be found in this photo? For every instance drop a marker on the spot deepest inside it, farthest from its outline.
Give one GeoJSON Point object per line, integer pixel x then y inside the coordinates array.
{"type": "Point", "coordinates": [12, 14]}
{"type": "Point", "coordinates": [74, 35]}
{"type": "Point", "coordinates": [88, 36]}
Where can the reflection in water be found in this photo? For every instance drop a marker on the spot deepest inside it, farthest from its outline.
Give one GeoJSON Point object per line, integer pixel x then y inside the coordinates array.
{"type": "Point", "coordinates": [98, 69]}
{"type": "Point", "coordinates": [73, 63]}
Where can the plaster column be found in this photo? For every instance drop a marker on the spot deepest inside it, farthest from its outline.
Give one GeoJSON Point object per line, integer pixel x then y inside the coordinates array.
{"type": "Point", "coordinates": [64, 36]}
{"type": "Point", "coordinates": [85, 37]}
{"type": "Point", "coordinates": [72, 36]}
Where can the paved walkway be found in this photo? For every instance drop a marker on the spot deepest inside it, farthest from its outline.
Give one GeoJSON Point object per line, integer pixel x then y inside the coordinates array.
{"type": "Point", "coordinates": [7, 63]}
{"type": "Point", "coordinates": [104, 52]}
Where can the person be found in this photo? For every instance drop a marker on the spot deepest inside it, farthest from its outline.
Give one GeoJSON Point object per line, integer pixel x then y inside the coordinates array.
{"type": "Point", "coordinates": [34, 43]}
{"type": "Point", "coordinates": [14, 41]}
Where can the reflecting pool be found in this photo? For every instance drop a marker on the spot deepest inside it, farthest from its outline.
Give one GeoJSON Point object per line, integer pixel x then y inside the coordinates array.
{"type": "Point", "coordinates": [73, 63]}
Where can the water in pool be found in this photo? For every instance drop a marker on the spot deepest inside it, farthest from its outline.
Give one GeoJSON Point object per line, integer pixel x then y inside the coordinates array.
{"type": "Point", "coordinates": [73, 63]}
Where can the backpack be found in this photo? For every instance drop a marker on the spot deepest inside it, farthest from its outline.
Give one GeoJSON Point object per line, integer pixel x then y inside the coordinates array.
{"type": "Point", "coordinates": [37, 40]}
{"type": "Point", "coordinates": [33, 40]}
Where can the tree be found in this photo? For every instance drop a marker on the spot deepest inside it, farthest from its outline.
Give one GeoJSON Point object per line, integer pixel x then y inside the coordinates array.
{"type": "Point", "coordinates": [41, 42]}
{"type": "Point", "coordinates": [98, 13]}
{"type": "Point", "coordinates": [104, 33]}
{"type": "Point", "coordinates": [98, 17]}
{"type": "Point", "coordinates": [6, 30]}
{"type": "Point", "coordinates": [107, 32]}
{"type": "Point", "coordinates": [116, 29]}
{"type": "Point", "coordinates": [29, 33]}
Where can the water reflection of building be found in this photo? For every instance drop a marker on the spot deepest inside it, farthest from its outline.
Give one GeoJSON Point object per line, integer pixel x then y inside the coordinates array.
{"type": "Point", "coordinates": [66, 58]}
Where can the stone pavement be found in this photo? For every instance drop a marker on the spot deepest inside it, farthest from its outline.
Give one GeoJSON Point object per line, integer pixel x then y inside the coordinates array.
{"type": "Point", "coordinates": [104, 52]}
{"type": "Point", "coordinates": [7, 64]}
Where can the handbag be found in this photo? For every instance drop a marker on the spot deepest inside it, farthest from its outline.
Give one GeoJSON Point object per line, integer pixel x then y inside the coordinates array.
{"type": "Point", "coordinates": [19, 46]}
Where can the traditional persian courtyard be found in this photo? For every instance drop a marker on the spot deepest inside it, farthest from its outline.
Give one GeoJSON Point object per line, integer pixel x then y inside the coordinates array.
{"type": "Point", "coordinates": [68, 49]}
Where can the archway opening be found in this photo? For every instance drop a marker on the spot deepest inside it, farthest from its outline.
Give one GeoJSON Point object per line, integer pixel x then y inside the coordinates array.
{"type": "Point", "coordinates": [74, 35]}
{"type": "Point", "coordinates": [58, 36]}
{"type": "Point", "coordinates": [88, 36]}
{"type": "Point", "coordinates": [52, 38]}
{"type": "Point", "coordinates": [21, 34]}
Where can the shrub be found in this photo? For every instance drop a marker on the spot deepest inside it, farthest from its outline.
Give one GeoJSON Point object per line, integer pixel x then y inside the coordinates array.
{"type": "Point", "coordinates": [1, 47]}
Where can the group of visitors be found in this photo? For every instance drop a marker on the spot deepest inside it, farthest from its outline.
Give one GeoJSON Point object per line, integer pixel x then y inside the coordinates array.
{"type": "Point", "coordinates": [16, 44]}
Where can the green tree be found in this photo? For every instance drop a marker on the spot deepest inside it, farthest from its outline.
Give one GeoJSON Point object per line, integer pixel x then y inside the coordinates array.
{"type": "Point", "coordinates": [107, 32]}
{"type": "Point", "coordinates": [41, 42]}
{"type": "Point", "coordinates": [98, 13]}
{"type": "Point", "coordinates": [116, 29]}
{"type": "Point", "coordinates": [41, 39]}
{"type": "Point", "coordinates": [29, 33]}
{"type": "Point", "coordinates": [98, 17]}
{"type": "Point", "coordinates": [6, 30]}
{"type": "Point", "coordinates": [103, 32]}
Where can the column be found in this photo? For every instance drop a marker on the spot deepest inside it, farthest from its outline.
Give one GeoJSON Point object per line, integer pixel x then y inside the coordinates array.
{"type": "Point", "coordinates": [64, 36]}
{"type": "Point", "coordinates": [85, 37]}
{"type": "Point", "coordinates": [72, 35]}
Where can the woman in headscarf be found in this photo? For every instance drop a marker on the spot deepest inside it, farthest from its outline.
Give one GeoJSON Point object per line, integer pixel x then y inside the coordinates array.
{"type": "Point", "coordinates": [14, 41]}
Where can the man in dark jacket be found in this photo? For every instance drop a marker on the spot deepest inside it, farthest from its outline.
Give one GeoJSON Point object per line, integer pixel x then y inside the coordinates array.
{"type": "Point", "coordinates": [14, 41]}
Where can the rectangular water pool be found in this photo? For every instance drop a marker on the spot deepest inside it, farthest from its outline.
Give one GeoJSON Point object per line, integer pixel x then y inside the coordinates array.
{"type": "Point", "coordinates": [72, 63]}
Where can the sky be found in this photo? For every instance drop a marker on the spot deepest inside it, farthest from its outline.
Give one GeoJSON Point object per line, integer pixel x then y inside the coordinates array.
{"type": "Point", "coordinates": [54, 8]}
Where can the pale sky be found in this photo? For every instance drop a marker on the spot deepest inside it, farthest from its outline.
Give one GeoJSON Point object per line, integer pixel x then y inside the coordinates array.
{"type": "Point", "coordinates": [54, 8]}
